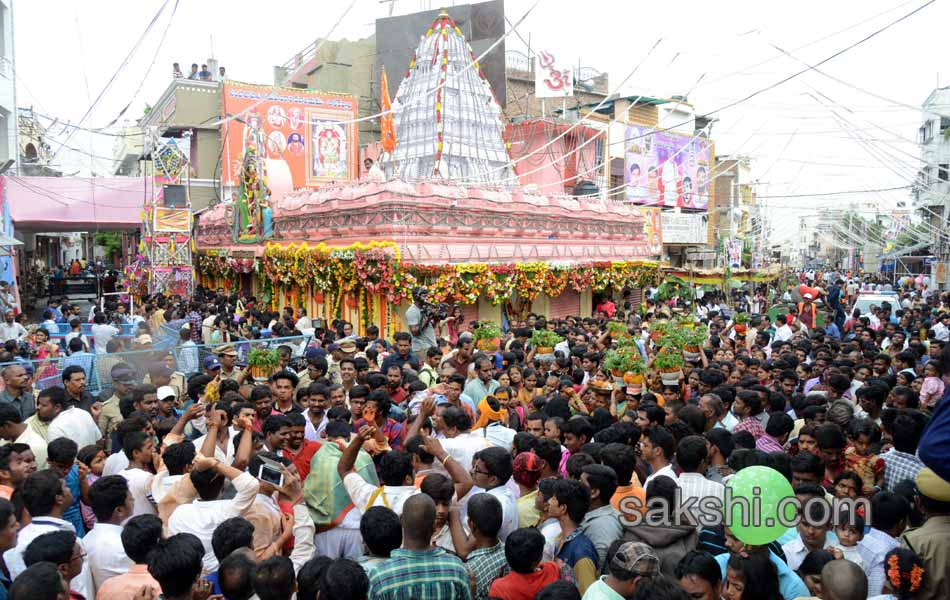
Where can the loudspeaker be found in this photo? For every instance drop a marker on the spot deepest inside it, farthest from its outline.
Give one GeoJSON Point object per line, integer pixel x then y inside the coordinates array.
{"type": "Point", "coordinates": [175, 196]}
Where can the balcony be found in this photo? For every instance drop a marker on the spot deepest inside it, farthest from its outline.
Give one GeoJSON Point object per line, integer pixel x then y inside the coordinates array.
{"type": "Point", "coordinates": [185, 104]}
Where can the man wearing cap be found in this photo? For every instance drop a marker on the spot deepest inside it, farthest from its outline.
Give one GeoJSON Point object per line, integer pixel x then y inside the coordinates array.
{"type": "Point", "coordinates": [807, 311]}
{"type": "Point", "coordinates": [123, 380]}
{"type": "Point", "coordinates": [227, 356]}
{"type": "Point", "coordinates": [161, 375]}
{"type": "Point", "coordinates": [316, 367]}
{"type": "Point", "coordinates": [631, 562]}
{"type": "Point", "coordinates": [211, 366]}
{"type": "Point", "coordinates": [339, 351]}
{"type": "Point", "coordinates": [931, 541]}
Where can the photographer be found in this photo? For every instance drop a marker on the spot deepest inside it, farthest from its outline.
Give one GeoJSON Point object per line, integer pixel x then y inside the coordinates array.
{"type": "Point", "coordinates": [421, 318]}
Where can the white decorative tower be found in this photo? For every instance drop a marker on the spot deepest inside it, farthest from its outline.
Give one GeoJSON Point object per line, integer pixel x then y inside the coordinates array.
{"type": "Point", "coordinates": [448, 122]}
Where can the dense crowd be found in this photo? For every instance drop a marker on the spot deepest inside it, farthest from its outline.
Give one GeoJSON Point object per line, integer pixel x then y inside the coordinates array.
{"type": "Point", "coordinates": [443, 463]}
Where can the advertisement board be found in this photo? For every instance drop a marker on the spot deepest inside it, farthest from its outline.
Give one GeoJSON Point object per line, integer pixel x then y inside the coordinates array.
{"type": "Point", "coordinates": [310, 131]}
{"type": "Point", "coordinates": [685, 228]}
{"type": "Point", "coordinates": [666, 168]}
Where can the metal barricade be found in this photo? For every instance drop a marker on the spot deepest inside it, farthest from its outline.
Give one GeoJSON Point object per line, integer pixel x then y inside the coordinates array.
{"type": "Point", "coordinates": [181, 358]}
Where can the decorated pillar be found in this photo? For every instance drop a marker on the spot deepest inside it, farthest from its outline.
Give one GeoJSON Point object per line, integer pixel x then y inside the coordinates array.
{"type": "Point", "coordinates": [166, 220]}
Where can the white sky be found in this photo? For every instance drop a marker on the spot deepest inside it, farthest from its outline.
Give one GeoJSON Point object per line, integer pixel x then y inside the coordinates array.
{"type": "Point", "coordinates": [66, 51]}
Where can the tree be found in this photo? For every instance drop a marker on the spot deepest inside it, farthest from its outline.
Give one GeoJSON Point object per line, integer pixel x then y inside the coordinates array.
{"type": "Point", "coordinates": [112, 242]}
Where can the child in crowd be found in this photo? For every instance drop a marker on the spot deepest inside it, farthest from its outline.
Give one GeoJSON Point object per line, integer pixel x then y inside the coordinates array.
{"type": "Point", "coordinates": [847, 485]}
{"type": "Point", "coordinates": [859, 459]}
{"type": "Point", "coordinates": [931, 390]}
{"type": "Point", "coordinates": [95, 459]}
{"type": "Point", "coordinates": [850, 531]}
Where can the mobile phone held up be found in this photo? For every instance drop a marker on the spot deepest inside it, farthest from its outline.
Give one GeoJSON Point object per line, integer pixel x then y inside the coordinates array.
{"type": "Point", "coordinates": [270, 474]}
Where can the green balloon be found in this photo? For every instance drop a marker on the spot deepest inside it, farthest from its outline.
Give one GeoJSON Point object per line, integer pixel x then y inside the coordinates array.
{"type": "Point", "coordinates": [756, 499]}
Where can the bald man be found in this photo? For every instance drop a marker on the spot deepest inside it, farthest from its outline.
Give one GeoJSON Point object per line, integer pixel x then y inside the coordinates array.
{"type": "Point", "coordinates": [843, 580]}
{"type": "Point", "coordinates": [417, 570]}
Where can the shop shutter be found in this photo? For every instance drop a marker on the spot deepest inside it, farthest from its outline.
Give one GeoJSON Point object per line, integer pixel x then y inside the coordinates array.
{"type": "Point", "coordinates": [565, 305]}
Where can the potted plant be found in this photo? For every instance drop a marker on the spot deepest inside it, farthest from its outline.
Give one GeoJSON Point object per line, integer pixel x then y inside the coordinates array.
{"type": "Point", "coordinates": [487, 336]}
{"type": "Point", "coordinates": [544, 341]}
{"type": "Point", "coordinates": [695, 339]}
{"type": "Point", "coordinates": [670, 367]}
{"type": "Point", "coordinates": [616, 329]}
{"type": "Point", "coordinates": [658, 330]}
{"type": "Point", "coordinates": [263, 362]}
{"type": "Point", "coordinates": [740, 321]}
{"type": "Point", "coordinates": [625, 364]}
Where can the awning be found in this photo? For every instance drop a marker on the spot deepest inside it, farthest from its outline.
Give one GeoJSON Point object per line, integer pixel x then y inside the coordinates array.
{"type": "Point", "coordinates": [75, 203]}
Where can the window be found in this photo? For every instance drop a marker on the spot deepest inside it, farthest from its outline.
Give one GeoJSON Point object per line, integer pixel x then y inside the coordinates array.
{"type": "Point", "coordinates": [943, 172]}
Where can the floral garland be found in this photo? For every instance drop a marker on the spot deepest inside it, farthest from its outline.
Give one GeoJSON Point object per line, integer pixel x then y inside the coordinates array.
{"type": "Point", "coordinates": [376, 269]}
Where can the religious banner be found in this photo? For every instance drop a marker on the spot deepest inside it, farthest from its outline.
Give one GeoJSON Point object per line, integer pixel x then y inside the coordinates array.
{"type": "Point", "coordinates": [312, 132]}
{"type": "Point", "coordinates": [551, 78]}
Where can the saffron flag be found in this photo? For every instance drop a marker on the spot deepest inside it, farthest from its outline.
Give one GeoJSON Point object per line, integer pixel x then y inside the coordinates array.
{"type": "Point", "coordinates": [387, 125]}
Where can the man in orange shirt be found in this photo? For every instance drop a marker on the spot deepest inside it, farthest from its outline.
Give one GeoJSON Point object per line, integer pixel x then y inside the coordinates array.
{"type": "Point", "coordinates": [297, 449]}
{"type": "Point", "coordinates": [140, 535]}
{"type": "Point", "coordinates": [623, 460]}
{"type": "Point", "coordinates": [16, 464]}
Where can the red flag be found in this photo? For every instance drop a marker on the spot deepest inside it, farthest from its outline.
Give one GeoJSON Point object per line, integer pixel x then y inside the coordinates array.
{"type": "Point", "coordinates": [387, 124]}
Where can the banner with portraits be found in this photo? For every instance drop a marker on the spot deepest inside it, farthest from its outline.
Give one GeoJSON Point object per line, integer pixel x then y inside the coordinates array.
{"type": "Point", "coordinates": [312, 132]}
{"type": "Point", "coordinates": [666, 169]}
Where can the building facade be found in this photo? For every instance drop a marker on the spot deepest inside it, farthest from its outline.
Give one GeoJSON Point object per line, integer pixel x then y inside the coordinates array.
{"type": "Point", "coordinates": [932, 188]}
{"type": "Point", "coordinates": [8, 112]}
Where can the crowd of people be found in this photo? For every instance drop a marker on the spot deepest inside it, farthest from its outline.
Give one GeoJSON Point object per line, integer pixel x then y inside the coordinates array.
{"type": "Point", "coordinates": [440, 464]}
{"type": "Point", "coordinates": [202, 74]}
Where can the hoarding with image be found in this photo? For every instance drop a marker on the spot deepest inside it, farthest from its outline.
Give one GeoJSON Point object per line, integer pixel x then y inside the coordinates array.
{"type": "Point", "coordinates": [312, 132]}
{"type": "Point", "coordinates": [663, 168]}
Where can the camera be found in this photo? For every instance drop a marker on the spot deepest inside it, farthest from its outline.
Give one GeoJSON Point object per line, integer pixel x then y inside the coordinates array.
{"type": "Point", "coordinates": [435, 312]}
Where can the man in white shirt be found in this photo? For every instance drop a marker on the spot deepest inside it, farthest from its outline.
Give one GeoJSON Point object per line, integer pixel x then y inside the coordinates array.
{"type": "Point", "coordinates": [7, 297]}
{"type": "Point", "coordinates": [303, 321]}
{"type": "Point", "coordinates": [46, 497]}
{"type": "Point", "coordinates": [14, 430]}
{"type": "Point", "coordinates": [66, 420]}
{"type": "Point", "coordinates": [491, 470]}
{"type": "Point", "coordinates": [494, 422]}
{"type": "Point", "coordinates": [112, 503]}
{"type": "Point", "coordinates": [203, 516]}
{"type": "Point", "coordinates": [813, 534]}
{"type": "Point", "coordinates": [395, 471]}
{"type": "Point", "coordinates": [656, 448]}
{"type": "Point", "coordinates": [138, 447]}
{"type": "Point", "coordinates": [942, 328]}
{"type": "Point", "coordinates": [783, 332]}
{"type": "Point", "coordinates": [462, 445]}
{"type": "Point", "coordinates": [102, 332]}
{"type": "Point", "coordinates": [207, 325]}
{"type": "Point", "coordinates": [10, 329]}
